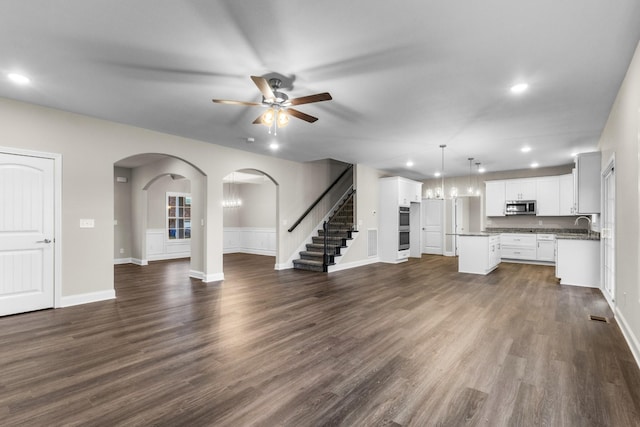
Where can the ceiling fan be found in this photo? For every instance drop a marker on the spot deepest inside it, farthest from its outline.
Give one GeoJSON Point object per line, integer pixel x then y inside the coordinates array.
{"type": "Point", "coordinates": [278, 103]}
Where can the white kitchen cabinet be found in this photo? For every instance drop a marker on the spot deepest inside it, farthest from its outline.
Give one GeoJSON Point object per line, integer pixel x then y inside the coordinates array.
{"type": "Point", "coordinates": [588, 183]}
{"type": "Point", "coordinates": [394, 193]}
{"type": "Point", "coordinates": [518, 246]}
{"type": "Point", "coordinates": [567, 196]}
{"type": "Point", "coordinates": [408, 191]}
{"type": "Point", "coordinates": [546, 247]}
{"type": "Point", "coordinates": [548, 196]}
{"type": "Point", "coordinates": [478, 254]}
{"type": "Point", "coordinates": [494, 198]}
{"type": "Point", "coordinates": [520, 189]}
{"type": "Point", "coordinates": [578, 262]}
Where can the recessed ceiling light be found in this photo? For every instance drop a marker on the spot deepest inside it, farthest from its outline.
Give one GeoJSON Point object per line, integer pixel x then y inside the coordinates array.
{"type": "Point", "coordinates": [18, 79]}
{"type": "Point", "coordinates": [519, 88]}
{"type": "Point", "coordinates": [534, 165]}
{"type": "Point", "coordinates": [409, 163]}
{"type": "Point", "coordinates": [525, 149]}
{"type": "Point", "coordinates": [437, 174]}
{"type": "Point", "coordinates": [482, 170]}
{"type": "Point", "coordinates": [274, 146]}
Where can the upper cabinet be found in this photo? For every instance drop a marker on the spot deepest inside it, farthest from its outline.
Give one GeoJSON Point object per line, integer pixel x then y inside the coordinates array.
{"type": "Point", "coordinates": [567, 197]}
{"type": "Point", "coordinates": [406, 190]}
{"type": "Point", "coordinates": [494, 198]}
{"type": "Point", "coordinates": [554, 195]}
{"type": "Point", "coordinates": [548, 196]}
{"type": "Point", "coordinates": [520, 189]}
{"type": "Point", "coordinates": [588, 183]}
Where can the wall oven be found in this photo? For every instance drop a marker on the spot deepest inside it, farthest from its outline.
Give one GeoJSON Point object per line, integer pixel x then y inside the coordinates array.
{"type": "Point", "coordinates": [403, 228]}
{"type": "Point", "coordinates": [403, 239]}
{"type": "Point", "coordinates": [520, 207]}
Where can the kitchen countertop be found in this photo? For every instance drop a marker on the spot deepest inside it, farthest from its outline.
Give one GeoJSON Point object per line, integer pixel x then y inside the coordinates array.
{"type": "Point", "coordinates": [475, 234]}
{"type": "Point", "coordinates": [561, 233]}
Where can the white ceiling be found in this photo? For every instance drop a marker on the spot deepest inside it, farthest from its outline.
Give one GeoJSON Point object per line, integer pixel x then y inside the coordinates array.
{"type": "Point", "coordinates": [405, 76]}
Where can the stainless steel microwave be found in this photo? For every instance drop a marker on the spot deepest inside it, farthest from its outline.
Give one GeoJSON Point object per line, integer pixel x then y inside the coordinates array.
{"type": "Point", "coordinates": [520, 207]}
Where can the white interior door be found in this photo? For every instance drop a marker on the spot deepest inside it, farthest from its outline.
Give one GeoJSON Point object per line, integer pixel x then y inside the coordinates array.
{"type": "Point", "coordinates": [26, 233]}
{"type": "Point", "coordinates": [608, 235]}
{"type": "Point", "coordinates": [432, 215]}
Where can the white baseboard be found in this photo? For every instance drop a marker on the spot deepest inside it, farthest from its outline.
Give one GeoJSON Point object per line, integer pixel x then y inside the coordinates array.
{"type": "Point", "coordinates": [196, 274]}
{"type": "Point", "coordinates": [118, 261]}
{"type": "Point", "coordinates": [214, 277]}
{"type": "Point", "coordinates": [283, 266]}
{"type": "Point", "coordinates": [72, 300]}
{"type": "Point", "coordinates": [632, 340]}
{"type": "Point", "coordinates": [348, 265]}
{"type": "Point", "coordinates": [162, 257]}
{"type": "Point", "coordinates": [138, 261]}
{"type": "Point", "coordinates": [266, 252]}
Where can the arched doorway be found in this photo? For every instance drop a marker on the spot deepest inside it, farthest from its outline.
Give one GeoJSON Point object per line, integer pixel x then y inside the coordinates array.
{"type": "Point", "coordinates": [146, 228]}
{"type": "Point", "coordinates": [250, 217]}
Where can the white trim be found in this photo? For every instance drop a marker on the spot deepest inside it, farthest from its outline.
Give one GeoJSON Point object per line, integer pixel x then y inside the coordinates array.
{"type": "Point", "coordinates": [283, 266]}
{"type": "Point", "coordinates": [162, 257]}
{"type": "Point", "coordinates": [118, 261]}
{"type": "Point", "coordinates": [632, 340]}
{"type": "Point", "coordinates": [250, 240]}
{"type": "Point", "coordinates": [196, 274]}
{"type": "Point", "coordinates": [57, 214]}
{"type": "Point", "coordinates": [138, 261]}
{"type": "Point", "coordinates": [214, 277]}
{"type": "Point", "coordinates": [87, 298]}
{"type": "Point", "coordinates": [354, 264]}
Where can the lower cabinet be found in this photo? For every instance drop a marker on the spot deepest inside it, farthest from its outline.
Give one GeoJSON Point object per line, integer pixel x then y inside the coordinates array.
{"type": "Point", "coordinates": [478, 254]}
{"type": "Point", "coordinates": [578, 262]}
{"type": "Point", "coordinates": [518, 246]}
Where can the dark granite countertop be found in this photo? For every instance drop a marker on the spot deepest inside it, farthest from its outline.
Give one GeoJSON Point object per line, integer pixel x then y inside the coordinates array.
{"type": "Point", "coordinates": [561, 233]}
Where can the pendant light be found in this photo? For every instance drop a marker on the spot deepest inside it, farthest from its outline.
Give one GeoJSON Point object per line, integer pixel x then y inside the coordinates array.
{"type": "Point", "coordinates": [470, 187]}
{"type": "Point", "coordinates": [477, 179]}
{"type": "Point", "coordinates": [442, 146]}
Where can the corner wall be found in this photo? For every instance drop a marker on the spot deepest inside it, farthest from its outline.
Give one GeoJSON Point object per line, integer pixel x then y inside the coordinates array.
{"type": "Point", "coordinates": [621, 136]}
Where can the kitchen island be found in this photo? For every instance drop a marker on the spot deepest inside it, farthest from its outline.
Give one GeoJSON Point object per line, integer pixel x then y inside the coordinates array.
{"type": "Point", "coordinates": [478, 253]}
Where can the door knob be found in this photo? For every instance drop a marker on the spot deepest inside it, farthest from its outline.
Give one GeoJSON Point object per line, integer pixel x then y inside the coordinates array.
{"type": "Point", "coordinates": [44, 241]}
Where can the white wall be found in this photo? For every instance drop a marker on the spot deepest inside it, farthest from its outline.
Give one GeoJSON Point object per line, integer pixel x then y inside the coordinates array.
{"type": "Point", "coordinates": [621, 136]}
{"type": "Point", "coordinates": [90, 147]}
{"type": "Point", "coordinates": [122, 214]}
{"type": "Point", "coordinates": [157, 198]}
{"type": "Point", "coordinates": [366, 214]}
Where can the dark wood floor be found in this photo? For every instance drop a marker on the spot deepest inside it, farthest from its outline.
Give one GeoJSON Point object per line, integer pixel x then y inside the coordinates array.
{"type": "Point", "coordinates": [411, 344]}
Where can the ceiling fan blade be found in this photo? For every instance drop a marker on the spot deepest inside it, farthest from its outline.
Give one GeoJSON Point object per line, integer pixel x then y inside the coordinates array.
{"type": "Point", "coordinates": [264, 87]}
{"type": "Point", "coordinates": [258, 121]}
{"type": "Point", "coordinates": [326, 96]}
{"type": "Point", "coordinates": [226, 101]}
{"type": "Point", "coordinates": [300, 115]}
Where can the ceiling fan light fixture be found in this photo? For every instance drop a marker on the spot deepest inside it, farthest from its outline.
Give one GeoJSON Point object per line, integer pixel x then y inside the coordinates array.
{"type": "Point", "coordinates": [267, 117]}
{"type": "Point", "coordinates": [283, 118]}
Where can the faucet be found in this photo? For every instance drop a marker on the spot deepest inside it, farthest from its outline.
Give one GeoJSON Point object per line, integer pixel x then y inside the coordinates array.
{"type": "Point", "coordinates": [583, 217]}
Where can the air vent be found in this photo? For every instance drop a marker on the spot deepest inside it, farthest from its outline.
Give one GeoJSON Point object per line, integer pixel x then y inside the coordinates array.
{"type": "Point", "coordinates": [599, 318]}
{"type": "Point", "coordinates": [372, 236]}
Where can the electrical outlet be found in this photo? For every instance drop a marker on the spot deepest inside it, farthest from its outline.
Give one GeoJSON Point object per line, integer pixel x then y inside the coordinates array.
{"type": "Point", "coordinates": [121, 250]}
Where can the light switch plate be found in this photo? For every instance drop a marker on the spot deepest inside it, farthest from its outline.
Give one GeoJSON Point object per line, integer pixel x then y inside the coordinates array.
{"type": "Point", "coordinates": [87, 223]}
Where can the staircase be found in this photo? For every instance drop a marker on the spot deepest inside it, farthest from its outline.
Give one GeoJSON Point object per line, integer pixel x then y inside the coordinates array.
{"type": "Point", "coordinates": [339, 230]}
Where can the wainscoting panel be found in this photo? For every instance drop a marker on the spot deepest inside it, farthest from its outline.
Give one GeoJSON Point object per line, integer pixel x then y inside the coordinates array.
{"type": "Point", "coordinates": [250, 240]}
{"type": "Point", "coordinates": [158, 248]}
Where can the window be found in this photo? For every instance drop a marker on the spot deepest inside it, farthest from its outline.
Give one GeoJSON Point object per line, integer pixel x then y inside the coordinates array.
{"type": "Point", "coordinates": [178, 216]}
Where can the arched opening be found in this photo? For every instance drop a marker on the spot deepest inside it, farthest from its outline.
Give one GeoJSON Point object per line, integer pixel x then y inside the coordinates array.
{"type": "Point", "coordinates": [159, 210]}
{"type": "Point", "coordinates": [250, 219]}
